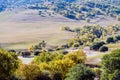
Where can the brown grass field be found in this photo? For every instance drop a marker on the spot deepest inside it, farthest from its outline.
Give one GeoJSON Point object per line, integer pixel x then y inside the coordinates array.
{"type": "Point", "coordinates": [20, 29]}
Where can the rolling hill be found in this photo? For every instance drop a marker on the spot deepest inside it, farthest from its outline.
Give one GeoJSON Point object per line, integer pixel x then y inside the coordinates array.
{"type": "Point", "coordinates": [26, 22]}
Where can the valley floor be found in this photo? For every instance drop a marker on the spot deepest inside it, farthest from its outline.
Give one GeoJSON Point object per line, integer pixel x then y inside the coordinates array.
{"type": "Point", "coordinates": [20, 29]}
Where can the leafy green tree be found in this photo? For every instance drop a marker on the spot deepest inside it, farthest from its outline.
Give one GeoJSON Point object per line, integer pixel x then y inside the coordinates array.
{"type": "Point", "coordinates": [8, 64]}
{"type": "Point", "coordinates": [111, 64]}
{"type": "Point", "coordinates": [77, 30]}
{"type": "Point", "coordinates": [42, 45]}
{"type": "Point", "coordinates": [96, 45]}
{"type": "Point", "coordinates": [47, 57]}
{"type": "Point", "coordinates": [97, 71]}
{"type": "Point", "coordinates": [115, 75]}
{"type": "Point", "coordinates": [103, 49]}
{"type": "Point", "coordinates": [74, 42]}
{"type": "Point", "coordinates": [110, 40]}
{"type": "Point", "coordinates": [117, 37]}
{"type": "Point", "coordinates": [80, 72]}
{"type": "Point", "coordinates": [43, 57]}
{"type": "Point", "coordinates": [75, 45]}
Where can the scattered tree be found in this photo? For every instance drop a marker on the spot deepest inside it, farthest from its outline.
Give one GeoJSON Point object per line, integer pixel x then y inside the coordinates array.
{"type": "Point", "coordinates": [111, 64]}
{"type": "Point", "coordinates": [103, 49]}
{"type": "Point", "coordinates": [8, 64]}
{"type": "Point", "coordinates": [110, 40]}
{"type": "Point", "coordinates": [80, 72]}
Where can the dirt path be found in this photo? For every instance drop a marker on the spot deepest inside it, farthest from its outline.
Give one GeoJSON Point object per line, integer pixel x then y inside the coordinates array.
{"type": "Point", "coordinates": [26, 60]}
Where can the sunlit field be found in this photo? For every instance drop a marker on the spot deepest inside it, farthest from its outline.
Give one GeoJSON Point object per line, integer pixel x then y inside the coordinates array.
{"type": "Point", "coordinates": [59, 39]}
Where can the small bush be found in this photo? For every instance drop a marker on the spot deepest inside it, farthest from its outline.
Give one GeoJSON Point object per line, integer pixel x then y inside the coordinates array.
{"type": "Point", "coordinates": [77, 30]}
{"type": "Point", "coordinates": [111, 66]}
{"type": "Point", "coordinates": [50, 50]}
{"type": "Point", "coordinates": [95, 46]}
{"type": "Point", "coordinates": [80, 72]}
{"type": "Point", "coordinates": [103, 49]}
{"type": "Point", "coordinates": [65, 28]}
{"type": "Point", "coordinates": [117, 37]}
{"type": "Point", "coordinates": [28, 72]}
{"type": "Point", "coordinates": [75, 45]}
{"type": "Point", "coordinates": [76, 56]}
{"type": "Point", "coordinates": [110, 40]}
{"type": "Point", "coordinates": [97, 71]}
{"type": "Point", "coordinates": [12, 50]}
{"type": "Point", "coordinates": [65, 52]}
{"type": "Point", "coordinates": [8, 64]}
{"type": "Point", "coordinates": [36, 53]}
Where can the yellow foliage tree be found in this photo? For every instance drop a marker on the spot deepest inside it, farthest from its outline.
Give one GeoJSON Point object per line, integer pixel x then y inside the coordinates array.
{"type": "Point", "coordinates": [61, 66]}
{"type": "Point", "coordinates": [44, 66]}
{"type": "Point", "coordinates": [28, 72]}
{"type": "Point", "coordinates": [76, 56]}
{"type": "Point", "coordinates": [31, 48]}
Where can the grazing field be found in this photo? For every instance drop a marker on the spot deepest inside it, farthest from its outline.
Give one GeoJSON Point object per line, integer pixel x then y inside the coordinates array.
{"type": "Point", "coordinates": [113, 46]}
{"type": "Point", "coordinates": [20, 29]}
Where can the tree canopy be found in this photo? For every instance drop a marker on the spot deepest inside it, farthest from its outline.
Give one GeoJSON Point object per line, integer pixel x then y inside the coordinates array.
{"type": "Point", "coordinates": [80, 72]}
{"type": "Point", "coordinates": [8, 64]}
{"type": "Point", "coordinates": [111, 65]}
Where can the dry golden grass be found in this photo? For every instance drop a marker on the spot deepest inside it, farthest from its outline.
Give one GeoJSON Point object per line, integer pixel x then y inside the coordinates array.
{"type": "Point", "coordinates": [28, 28]}
{"type": "Point", "coordinates": [113, 46]}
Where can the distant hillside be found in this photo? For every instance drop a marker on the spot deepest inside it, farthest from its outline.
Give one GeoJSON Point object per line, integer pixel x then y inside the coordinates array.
{"type": "Point", "coordinates": [9, 4]}
{"type": "Point", "coordinates": [72, 9]}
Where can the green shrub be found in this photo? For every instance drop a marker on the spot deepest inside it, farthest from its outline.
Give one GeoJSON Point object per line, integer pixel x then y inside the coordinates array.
{"type": "Point", "coordinates": [43, 57]}
{"type": "Point", "coordinates": [97, 71]}
{"type": "Point", "coordinates": [110, 64]}
{"type": "Point", "coordinates": [47, 57]}
{"type": "Point", "coordinates": [75, 45]}
{"type": "Point", "coordinates": [8, 64]}
{"type": "Point", "coordinates": [117, 37]}
{"type": "Point", "coordinates": [80, 72]}
{"type": "Point", "coordinates": [103, 49]}
{"type": "Point", "coordinates": [77, 30]}
{"type": "Point", "coordinates": [76, 56]}
{"type": "Point", "coordinates": [96, 45]}
{"type": "Point", "coordinates": [65, 52]}
{"type": "Point", "coordinates": [110, 40]}
{"type": "Point", "coordinates": [115, 75]}
{"type": "Point", "coordinates": [66, 28]}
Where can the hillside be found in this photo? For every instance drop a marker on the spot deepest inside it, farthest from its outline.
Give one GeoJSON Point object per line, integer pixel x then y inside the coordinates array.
{"type": "Point", "coordinates": [59, 39]}
{"type": "Point", "coordinates": [27, 26]}
{"type": "Point", "coordinates": [10, 4]}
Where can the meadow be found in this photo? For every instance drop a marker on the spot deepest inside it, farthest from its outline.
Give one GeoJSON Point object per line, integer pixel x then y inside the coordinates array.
{"type": "Point", "coordinates": [24, 27]}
